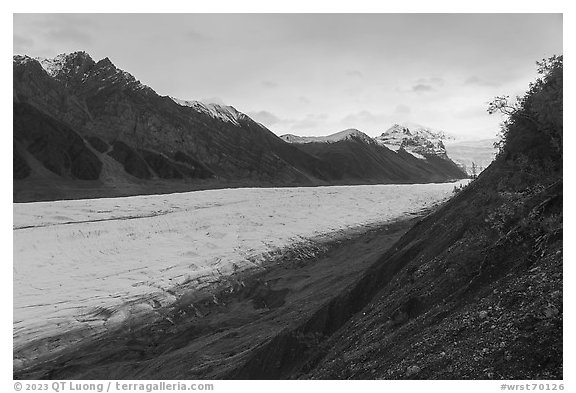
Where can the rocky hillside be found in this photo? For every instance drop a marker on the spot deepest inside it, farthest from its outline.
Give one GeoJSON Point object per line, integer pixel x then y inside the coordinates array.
{"type": "Point", "coordinates": [472, 292]}
{"type": "Point", "coordinates": [89, 129]}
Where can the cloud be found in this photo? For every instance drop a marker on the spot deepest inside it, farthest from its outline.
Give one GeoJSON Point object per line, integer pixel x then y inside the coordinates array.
{"type": "Point", "coordinates": [69, 34]}
{"type": "Point", "coordinates": [354, 91]}
{"type": "Point", "coordinates": [402, 109]}
{"type": "Point", "coordinates": [269, 119]}
{"type": "Point", "coordinates": [365, 117]}
{"type": "Point", "coordinates": [77, 20]}
{"type": "Point", "coordinates": [196, 36]}
{"type": "Point", "coordinates": [269, 84]}
{"type": "Point", "coordinates": [474, 80]}
{"type": "Point", "coordinates": [355, 73]}
{"type": "Point", "coordinates": [67, 28]}
{"type": "Point", "coordinates": [213, 100]}
{"type": "Point", "coordinates": [435, 81]}
{"type": "Point", "coordinates": [472, 112]}
{"type": "Point", "coordinates": [311, 120]}
{"type": "Point", "coordinates": [303, 100]}
{"type": "Point", "coordinates": [22, 44]}
{"type": "Point", "coordinates": [423, 85]}
{"type": "Point", "coordinates": [265, 117]}
{"type": "Point", "coordinates": [420, 88]}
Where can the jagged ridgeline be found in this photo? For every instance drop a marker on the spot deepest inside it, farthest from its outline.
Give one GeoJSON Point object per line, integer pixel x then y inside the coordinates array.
{"type": "Point", "coordinates": [89, 129]}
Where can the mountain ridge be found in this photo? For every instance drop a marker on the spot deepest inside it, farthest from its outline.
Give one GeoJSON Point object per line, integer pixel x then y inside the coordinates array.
{"type": "Point", "coordinates": [338, 136]}
{"type": "Point", "coordinates": [472, 156]}
{"type": "Point", "coordinates": [413, 138]}
{"type": "Point", "coordinates": [156, 143]}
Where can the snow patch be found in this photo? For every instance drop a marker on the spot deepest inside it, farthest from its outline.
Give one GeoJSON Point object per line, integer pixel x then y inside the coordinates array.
{"type": "Point", "coordinates": [53, 66]}
{"type": "Point", "coordinates": [221, 112]}
{"type": "Point", "coordinates": [391, 146]}
{"type": "Point", "coordinates": [415, 154]}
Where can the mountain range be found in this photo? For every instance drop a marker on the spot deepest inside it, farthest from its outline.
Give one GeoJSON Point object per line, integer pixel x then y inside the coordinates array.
{"type": "Point", "coordinates": [469, 290]}
{"type": "Point", "coordinates": [89, 129]}
{"type": "Point", "coordinates": [387, 158]}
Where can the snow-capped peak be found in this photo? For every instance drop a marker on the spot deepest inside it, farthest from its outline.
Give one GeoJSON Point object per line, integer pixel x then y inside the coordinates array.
{"type": "Point", "coordinates": [348, 134]}
{"type": "Point", "coordinates": [65, 63]}
{"type": "Point", "coordinates": [52, 66]}
{"type": "Point", "coordinates": [22, 59]}
{"type": "Point", "coordinates": [222, 112]}
{"type": "Point", "coordinates": [79, 67]}
{"type": "Point", "coordinates": [339, 136]}
{"type": "Point", "coordinates": [428, 132]}
{"type": "Point", "coordinates": [414, 138]}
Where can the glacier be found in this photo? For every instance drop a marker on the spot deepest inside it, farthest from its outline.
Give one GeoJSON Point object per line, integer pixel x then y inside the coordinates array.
{"type": "Point", "coordinates": [89, 265]}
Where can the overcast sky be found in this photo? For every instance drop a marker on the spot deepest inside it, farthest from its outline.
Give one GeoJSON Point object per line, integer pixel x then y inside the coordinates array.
{"type": "Point", "coordinates": [317, 74]}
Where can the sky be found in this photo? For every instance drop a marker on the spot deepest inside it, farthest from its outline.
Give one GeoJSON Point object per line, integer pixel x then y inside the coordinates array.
{"type": "Point", "coordinates": [317, 74]}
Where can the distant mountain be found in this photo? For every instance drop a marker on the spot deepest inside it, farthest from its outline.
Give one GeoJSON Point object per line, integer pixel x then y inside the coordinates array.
{"type": "Point", "coordinates": [348, 134]}
{"type": "Point", "coordinates": [414, 139]}
{"type": "Point", "coordinates": [361, 158]}
{"type": "Point", "coordinates": [429, 132]}
{"type": "Point", "coordinates": [89, 129]}
{"type": "Point", "coordinates": [472, 156]}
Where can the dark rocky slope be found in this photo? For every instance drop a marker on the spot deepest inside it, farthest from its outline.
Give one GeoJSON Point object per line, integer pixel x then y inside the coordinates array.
{"type": "Point", "coordinates": [473, 291]}
{"type": "Point", "coordinates": [51, 142]}
{"type": "Point", "coordinates": [156, 144]}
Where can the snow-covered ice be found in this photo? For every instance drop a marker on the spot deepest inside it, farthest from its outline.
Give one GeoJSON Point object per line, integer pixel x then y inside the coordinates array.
{"type": "Point", "coordinates": [73, 259]}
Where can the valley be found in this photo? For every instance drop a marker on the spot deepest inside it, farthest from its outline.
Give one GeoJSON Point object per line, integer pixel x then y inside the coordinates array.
{"type": "Point", "coordinates": [160, 235]}
{"type": "Point", "coordinates": [129, 258]}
